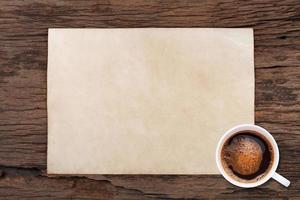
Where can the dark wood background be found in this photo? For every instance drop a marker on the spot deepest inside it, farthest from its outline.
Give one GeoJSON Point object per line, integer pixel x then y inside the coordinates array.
{"type": "Point", "coordinates": [23, 111]}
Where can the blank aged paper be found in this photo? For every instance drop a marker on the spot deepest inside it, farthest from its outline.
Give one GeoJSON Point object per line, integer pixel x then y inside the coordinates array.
{"type": "Point", "coordinates": [145, 101]}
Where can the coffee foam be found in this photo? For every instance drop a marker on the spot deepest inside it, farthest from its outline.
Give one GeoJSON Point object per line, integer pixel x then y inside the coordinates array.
{"type": "Point", "coordinates": [244, 155]}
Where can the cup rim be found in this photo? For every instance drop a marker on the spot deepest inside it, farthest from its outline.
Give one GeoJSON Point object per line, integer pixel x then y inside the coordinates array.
{"type": "Point", "coordinates": [247, 127]}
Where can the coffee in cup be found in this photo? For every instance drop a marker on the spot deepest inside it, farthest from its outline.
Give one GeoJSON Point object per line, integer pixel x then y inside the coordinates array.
{"type": "Point", "coordinates": [247, 156]}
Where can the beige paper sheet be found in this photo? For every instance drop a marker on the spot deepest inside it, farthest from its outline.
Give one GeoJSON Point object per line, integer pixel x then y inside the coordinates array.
{"type": "Point", "coordinates": [145, 101]}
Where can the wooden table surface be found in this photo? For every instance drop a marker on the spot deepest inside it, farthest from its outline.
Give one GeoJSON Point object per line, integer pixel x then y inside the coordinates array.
{"type": "Point", "coordinates": [23, 111]}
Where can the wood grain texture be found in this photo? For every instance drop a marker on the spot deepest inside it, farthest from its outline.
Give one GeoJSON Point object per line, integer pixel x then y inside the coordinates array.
{"type": "Point", "coordinates": [23, 113]}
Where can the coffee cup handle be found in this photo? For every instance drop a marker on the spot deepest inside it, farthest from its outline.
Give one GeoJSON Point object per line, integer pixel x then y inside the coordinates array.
{"type": "Point", "coordinates": [281, 179]}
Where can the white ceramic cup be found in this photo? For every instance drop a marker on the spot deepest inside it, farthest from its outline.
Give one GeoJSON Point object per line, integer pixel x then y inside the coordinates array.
{"type": "Point", "coordinates": [270, 174]}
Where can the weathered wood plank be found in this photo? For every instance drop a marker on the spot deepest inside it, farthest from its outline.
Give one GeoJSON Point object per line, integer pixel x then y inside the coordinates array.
{"type": "Point", "coordinates": [23, 114]}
